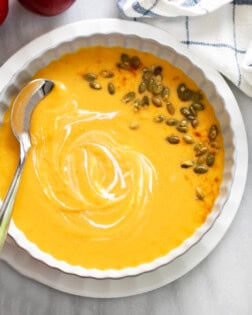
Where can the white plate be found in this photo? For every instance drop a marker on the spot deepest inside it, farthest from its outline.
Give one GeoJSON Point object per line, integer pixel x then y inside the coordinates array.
{"type": "Point", "coordinates": [85, 28]}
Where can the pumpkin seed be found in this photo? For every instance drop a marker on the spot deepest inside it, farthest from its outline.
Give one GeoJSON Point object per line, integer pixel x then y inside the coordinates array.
{"type": "Point", "coordinates": [188, 139]}
{"type": "Point", "coordinates": [107, 74]}
{"type": "Point", "coordinates": [170, 108]}
{"type": "Point", "coordinates": [129, 97]}
{"type": "Point", "coordinates": [215, 145]}
{"type": "Point", "coordinates": [198, 148]}
{"type": "Point", "coordinates": [95, 85]}
{"type": "Point", "coordinates": [147, 75]}
{"type": "Point", "coordinates": [135, 62]}
{"type": "Point", "coordinates": [172, 122]}
{"type": "Point", "coordinates": [185, 111]}
{"type": "Point", "coordinates": [187, 164]}
{"type": "Point", "coordinates": [150, 84]}
{"type": "Point", "coordinates": [213, 132]}
{"type": "Point", "coordinates": [183, 123]}
{"type": "Point", "coordinates": [159, 118]}
{"type": "Point", "coordinates": [203, 150]}
{"type": "Point", "coordinates": [157, 88]}
{"type": "Point", "coordinates": [192, 110]}
{"type": "Point", "coordinates": [157, 70]}
{"type": "Point", "coordinates": [145, 101]}
{"type": "Point", "coordinates": [198, 106]}
{"type": "Point", "coordinates": [199, 193]}
{"type": "Point", "coordinates": [90, 77]}
{"type": "Point", "coordinates": [137, 104]}
{"type": "Point", "coordinates": [196, 97]}
{"type": "Point", "coordinates": [190, 117]}
{"type": "Point", "coordinates": [125, 58]}
{"type": "Point", "coordinates": [156, 101]}
{"type": "Point", "coordinates": [134, 125]}
{"type": "Point", "coordinates": [195, 123]}
{"type": "Point", "coordinates": [210, 158]}
{"type": "Point", "coordinates": [200, 169]}
{"type": "Point", "coordinates": [111, 88]}
{"type": "Point", "coordinates": [201, 159]}
{"type": "Point", "coordinates": [159, 78]}
{"type": "Point", "coordinates": [173, 139]}
{"type": "Point", "coordinates": [183, 129]}
{"type": "Point", "coordinates": [142, 87]}
{"type": "Point", "coordinates": [165, 93]}
{"type": "Point", "coordinates": [184, 93]}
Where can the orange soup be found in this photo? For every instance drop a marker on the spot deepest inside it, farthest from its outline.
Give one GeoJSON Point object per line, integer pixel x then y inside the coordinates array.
{"type": "Point", "coordinates": [126, 161]}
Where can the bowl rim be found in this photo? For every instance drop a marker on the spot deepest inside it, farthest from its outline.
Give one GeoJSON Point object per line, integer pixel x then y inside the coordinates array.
{"type": "Point", "coordinates": [105, 27]}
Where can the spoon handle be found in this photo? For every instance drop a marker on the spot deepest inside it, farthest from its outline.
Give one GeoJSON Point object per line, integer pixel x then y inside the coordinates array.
{"type": "Point", "coordinates": [7, 205]}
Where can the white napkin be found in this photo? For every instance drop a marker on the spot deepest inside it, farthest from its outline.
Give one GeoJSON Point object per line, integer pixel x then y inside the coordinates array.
{"type": "Point", "coordinates": [219, 31]}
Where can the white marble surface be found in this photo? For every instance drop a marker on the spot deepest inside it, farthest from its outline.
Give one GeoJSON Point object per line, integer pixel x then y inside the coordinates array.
{"type": "Point", "coordinates": [221, 284]}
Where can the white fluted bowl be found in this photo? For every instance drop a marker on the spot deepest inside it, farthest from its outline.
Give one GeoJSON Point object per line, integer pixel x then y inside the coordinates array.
{"type": "Point", "coordinates": [20, 68]}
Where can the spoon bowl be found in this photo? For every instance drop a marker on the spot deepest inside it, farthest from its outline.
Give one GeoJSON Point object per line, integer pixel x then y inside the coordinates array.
{"type": "Point", "coordinates": [21, 113]}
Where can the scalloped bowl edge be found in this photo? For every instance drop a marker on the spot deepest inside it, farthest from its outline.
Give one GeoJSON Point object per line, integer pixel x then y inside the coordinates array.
{"type": "Point", "coordinates": [178, 58]}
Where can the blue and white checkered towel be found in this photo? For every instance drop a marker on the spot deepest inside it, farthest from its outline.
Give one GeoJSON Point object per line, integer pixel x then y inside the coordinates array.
{"type": "Point", "coordinates": [219, 31]}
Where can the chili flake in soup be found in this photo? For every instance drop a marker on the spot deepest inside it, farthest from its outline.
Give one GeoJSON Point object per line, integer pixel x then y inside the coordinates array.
{"type": "Point", "coordinates": [126, 161]}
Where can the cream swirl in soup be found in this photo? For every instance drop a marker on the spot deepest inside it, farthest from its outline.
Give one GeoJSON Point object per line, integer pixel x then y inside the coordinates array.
{"type": "Point", "coordinates": [86, 171]}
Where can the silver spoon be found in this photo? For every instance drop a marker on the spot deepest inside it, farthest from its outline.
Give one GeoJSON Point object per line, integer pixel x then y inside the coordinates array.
{"type": "Point", "coordinates": [21, 114]}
